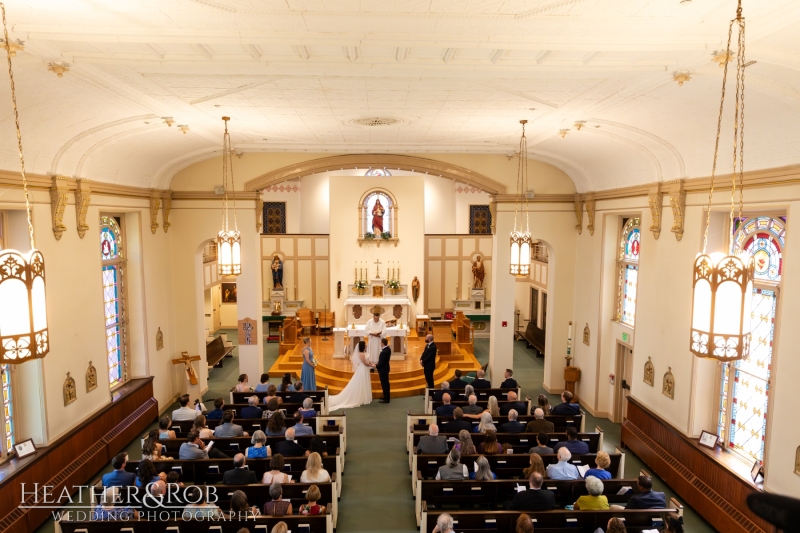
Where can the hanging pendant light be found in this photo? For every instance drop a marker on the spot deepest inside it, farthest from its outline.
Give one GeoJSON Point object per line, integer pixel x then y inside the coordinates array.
{"type": "Point", "coordinates": [23, 305]}
{"type": "Point", "coordinates": [723, 284]}
{"type": "Point", "coordinates": [521, 240]}
{"type": "Point", "coordinates": [229, 241]}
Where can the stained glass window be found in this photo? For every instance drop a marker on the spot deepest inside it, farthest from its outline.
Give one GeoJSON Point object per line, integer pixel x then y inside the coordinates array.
{"type": "Point", "coordinates": [628, 265]}
{"type": "Point", "coordinates": [744, 385]}
{"type": "Point", "coordinates": [274, 217]}
{"type": "Point", "coordinates": [113, 276]}
{"type": "Point", "coordinates": [8, 410]}
{"type": "Point", "coordinates": [377, 172]}
{"type": "Point", "coordinates": [480, 219]}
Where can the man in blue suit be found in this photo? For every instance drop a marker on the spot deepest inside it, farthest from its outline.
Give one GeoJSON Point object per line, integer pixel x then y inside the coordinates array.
{"type": "Point", "coordinates": [647, 498]}
{"type": "Point", "coordinates": [119, 477]}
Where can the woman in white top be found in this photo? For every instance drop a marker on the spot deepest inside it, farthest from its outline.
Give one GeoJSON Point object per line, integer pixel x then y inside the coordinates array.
{"type": "Point", "coordinates": [276, 472]}
{"type": "Point", "coordinates": [243, 385]}
{"type": "Point", "coordinates": [314, 473]}
{"type": "Point", "coordinates": [200, 427]}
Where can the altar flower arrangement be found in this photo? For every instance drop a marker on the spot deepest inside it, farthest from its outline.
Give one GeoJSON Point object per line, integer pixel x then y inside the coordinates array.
{"type": "Point", "coordinates": [360, 284]}
{"type": "Point", "coordinates": [393, 284]}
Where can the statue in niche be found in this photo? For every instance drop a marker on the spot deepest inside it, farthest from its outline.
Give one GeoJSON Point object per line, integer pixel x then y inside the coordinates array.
{"type": "Point", "coordinates": [277, 273]}
{"type": "Point", "coordinates": [649, 372]}
{"type": "Point", "coordinates": [70, 392]}
{"type": "Point", "coordinates": [586, 334]}
{"type": "Point", "coordinates": [669, 384]}
{"type": "Point", "coordinates": [478, 273]}
{"type": "Point", "coordinates": [415, 287]}
{"type": "Point", "coordinates": [377, 217]}
{"type": "Point", "coordinates": [159, 340]}
{"type": "Point", "coordinates": [91, 377]}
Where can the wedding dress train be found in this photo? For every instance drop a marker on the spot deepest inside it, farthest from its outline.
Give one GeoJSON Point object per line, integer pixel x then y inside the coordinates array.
{"type": "Point", "coordinates": [358, 391]}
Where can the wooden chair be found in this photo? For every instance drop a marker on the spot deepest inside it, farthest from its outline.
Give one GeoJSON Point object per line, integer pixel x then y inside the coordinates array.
{"type": "Point", "coordinates": [306, 318]}
{"type": "Point", "coordinates": [326, 321]}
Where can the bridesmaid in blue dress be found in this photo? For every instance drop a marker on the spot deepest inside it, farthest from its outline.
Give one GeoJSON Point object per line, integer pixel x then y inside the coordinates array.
{"type": "Point", "coordinates": [308, 375]}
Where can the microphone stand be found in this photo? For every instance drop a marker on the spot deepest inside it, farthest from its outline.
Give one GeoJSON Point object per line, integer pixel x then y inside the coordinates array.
{"type": "Point", "coordinates": [324, 318]}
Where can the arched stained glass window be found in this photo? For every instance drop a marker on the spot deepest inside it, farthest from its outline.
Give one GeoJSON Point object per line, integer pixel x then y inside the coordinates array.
{"type": "Point", "coordinates": [628, 265]}
{"type": "Point", "coordinates": [113, 259]}
{"type": "Point", "coordinates": [744, 384]}
{"type": "Point", "coordinates": [377, 172]}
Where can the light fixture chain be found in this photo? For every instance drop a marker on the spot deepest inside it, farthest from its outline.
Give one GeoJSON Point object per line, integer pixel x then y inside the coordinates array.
{"type": "Point", "coordinates": [16, 123]}
{"type": "Point", "coordinates": [225, 179]}
{"type": "Point", "coordinates": [233, 187]}
{"type": "Point", "coordinates": [741, 118]}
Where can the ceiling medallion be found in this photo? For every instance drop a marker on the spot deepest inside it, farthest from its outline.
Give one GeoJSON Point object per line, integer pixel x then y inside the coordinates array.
{"type": "Point", "coordinates": [721, 57]}
{"type": "Point", "coordinates": [563, 132]}
{"type": "Point", "coordinates": [374, 122]}
{"type": "Point", "coordinates": [58, 68]}
{"type": "Point", "coordinates": [681, 77]}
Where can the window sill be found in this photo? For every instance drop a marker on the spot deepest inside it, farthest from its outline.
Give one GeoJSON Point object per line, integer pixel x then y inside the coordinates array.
{"type": "Point", "coordinates": [378, 241]}
{"type": "Point", "coordinates": [623, 324]}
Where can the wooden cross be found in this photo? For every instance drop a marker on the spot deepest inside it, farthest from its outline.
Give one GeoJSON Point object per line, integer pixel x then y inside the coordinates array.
{"type": "Point", "coordinates": [186, 359]}
{"type": "Point", "coordinates": [377, 268]}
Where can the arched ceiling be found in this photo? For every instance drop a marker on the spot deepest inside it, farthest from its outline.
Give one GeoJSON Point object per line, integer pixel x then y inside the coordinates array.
{"type": "Point", "coordinates": [457, 74]}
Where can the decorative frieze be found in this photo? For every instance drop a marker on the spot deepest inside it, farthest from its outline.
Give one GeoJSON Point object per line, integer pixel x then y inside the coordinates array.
{"type": "Point", "coordinates": [677, 200]}
{"type": "Point", "coordinates": [58, 202]}
{"type": "Point", "coordinates": [656, 200]}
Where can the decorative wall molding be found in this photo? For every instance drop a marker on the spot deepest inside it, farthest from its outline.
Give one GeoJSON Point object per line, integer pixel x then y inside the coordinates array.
{"type": "Point", "coordinates": [590, 205]}
{"type": "Point", "coordinates": [166, 207]}
{"type": "Point", "coordinates": [578, 203]}
{"type": "Point", "coordinates": [83, 195]}
{"type": "Point", "coordinates": [155, 203]}
{"type": "Point", "coordinates": [656, 200]}
{"type": "Point", "coordinates": [677, 200]}
{"type": "Point", "coordinates": [259, 213]}
{"type": "Point", "coordinates": [58, 202]}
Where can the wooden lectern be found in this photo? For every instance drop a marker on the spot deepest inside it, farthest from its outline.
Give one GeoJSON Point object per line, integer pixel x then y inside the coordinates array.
{"type": "Point", "coordinates": [572, 374]}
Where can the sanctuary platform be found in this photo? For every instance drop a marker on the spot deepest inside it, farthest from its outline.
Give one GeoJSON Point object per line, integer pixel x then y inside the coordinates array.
{"type": "Point", "coordinates": [406, 377]}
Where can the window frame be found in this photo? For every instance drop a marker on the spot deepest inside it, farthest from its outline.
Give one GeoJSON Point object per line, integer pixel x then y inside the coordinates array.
{"type": "Point", "coordinates": [623, 264]}
{"type": "Point", "coordinates": [5, 452]}
{"type": "Point", "coordinates": [120, 263]}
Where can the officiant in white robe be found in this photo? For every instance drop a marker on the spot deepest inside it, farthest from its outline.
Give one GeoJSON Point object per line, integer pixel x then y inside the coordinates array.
{"type": "Point", "coordinates": [375, 330]}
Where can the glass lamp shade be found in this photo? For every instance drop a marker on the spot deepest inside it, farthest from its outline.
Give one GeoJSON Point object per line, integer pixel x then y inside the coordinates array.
{"type": "Point", "coordinates": [721, 306]}
{"type": "Point", "coordinates": [23, 308]}
{"type": "Point", "coordinates": [229, 253]}
{"type": "Point", "coordinates": [520, 253]}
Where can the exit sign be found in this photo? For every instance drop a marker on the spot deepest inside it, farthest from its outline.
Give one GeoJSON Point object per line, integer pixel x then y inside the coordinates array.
{"type": "Point", "coordinates": [625, 337]}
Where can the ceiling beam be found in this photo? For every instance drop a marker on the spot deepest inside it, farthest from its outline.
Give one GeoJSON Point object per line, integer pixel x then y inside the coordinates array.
{"type": "Point", "coordinates": [449, 54]}
{"type": "Point", "coordinates": [543, 56]}
{"type": "Point", "coordinates": [351, 52]}
{"type": "Point", "coordinates": [232, 91]}
{"type": "Point", "coordinates": [302, 51]}
{"type": "Point", "coordinates": [400, 53]}
{"type": "Point", "coordinates": [254, 51]}
{"type": "Point", "coordinates": [589, 57]}
{"type": "Point", "coordinates": [157, 49]}
{"type": "Point", "coordinates": [205, 50]}
{"type": "Point", "coordinates": [496, 56]}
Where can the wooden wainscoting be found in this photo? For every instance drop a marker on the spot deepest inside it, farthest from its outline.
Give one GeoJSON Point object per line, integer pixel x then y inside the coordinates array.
{"type": "Point", "coordinates": [699, 475]}
{"type": "Point", "coordinates": [74, 458]}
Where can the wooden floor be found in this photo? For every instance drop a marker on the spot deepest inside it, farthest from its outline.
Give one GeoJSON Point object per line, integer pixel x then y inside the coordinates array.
{"type": "Point", "coordinates": [323, 352]}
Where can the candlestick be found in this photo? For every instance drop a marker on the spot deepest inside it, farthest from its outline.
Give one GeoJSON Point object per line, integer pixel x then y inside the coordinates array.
{"type": "Point", "coordinates": [569, 344]}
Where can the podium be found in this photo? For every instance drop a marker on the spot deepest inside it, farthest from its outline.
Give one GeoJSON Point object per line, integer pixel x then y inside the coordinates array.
{"type": "Point", "coordinates": [443, 336]}
{"type": "Point", "coordinates": [572, 374]}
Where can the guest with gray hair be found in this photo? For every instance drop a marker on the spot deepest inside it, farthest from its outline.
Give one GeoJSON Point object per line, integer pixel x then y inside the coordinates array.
{"type": "Point", "coordinates": [252, 410]}
{"type": "Point", "coordinates": [468, 389]}
{"type": "Point", "coordinates": [563, 470]}
{"type": "Point", "coordinates": [485, 424]}
{"type": "Point", "coordinates": [308, 410]}
{"type": "Point", "coordinates": [453, 469]}
{"type": "Point", "coordinates": [240, 475]}
{"type": "Point", "coordinates": [473, 408]}
{"type": "Point", "coordinates": [513, 426]}
{"type": "Point", "coordinates": [445, 388]}
{"type": "Point", "coordinates": [432, 442]}
{"type": "Point", "coordinates": [539, 423]}
{"type": "Point", "coordinates": [288, 447]}
{"type": "Point", "coordinates": [444, 524]}
{"type": "Point", "coordinates": [277, 507]}
{"type": "Point", "coordinates": [259, 448]}
{"type": "Point", "coordinates": [480, 382]}
{"type": "Point", "coordinates": [595, 501]}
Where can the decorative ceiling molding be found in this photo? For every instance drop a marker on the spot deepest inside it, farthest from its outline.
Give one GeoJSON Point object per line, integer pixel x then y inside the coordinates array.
{"type": "Point", "coordinates": [403, 162]}
{"type": "Point", "coordinates": [109, 140]}
{"type": "Point", "coordinates": [678, 159]}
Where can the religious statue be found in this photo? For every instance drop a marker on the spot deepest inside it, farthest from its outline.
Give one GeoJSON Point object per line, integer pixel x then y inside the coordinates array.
{"type": "Point", "coordinates": [586, 335]}
{"type": "Point", "coordinates": [415, 286]}
{"type": "Point", "coordinates": [669, 384]}
{"type": "Point", "coordinates": [478, 272]}
{"type": "Point", "coordinates": [91, 377]}
{"type": "Point", "coordinates": [377, 217]}
{"type": "Point", "coordinates": [277, 272]}
{"type": "Point", "coordinates": [186, 360]}
{"type": "Point", "coordinates": [649, 372]}
{"type": "Point", "coordinates": [159, 340]}
{"type": "Point", "coordinates": [70, 392]}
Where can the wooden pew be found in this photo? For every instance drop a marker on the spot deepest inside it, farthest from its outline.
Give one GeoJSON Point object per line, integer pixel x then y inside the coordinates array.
{"type": "Point", "coordinates": [483, 404]}
{"type": "Point", "coordinates": [216, 351]}
{"type": "Point", "coordinates": [481, 394]}
{"type": "Point", "coordinates": [535, 337]}
{"type": "Point", "coordinates": [310, 524]}
{"type": "Point", "coordinates": [241, 397]}
{"type": "Point", "coordinates": [522, 442]}
{"type": "Point", "coordinates": [182, 427]}
{"type": "Point", "coordinates": [232, 445]}
{"type": "Point", "coordinates": [289, 408]}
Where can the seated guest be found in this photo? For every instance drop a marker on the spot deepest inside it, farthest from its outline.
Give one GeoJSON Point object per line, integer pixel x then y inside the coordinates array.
{"type": "Point", "coordinates": [239, 475]}
{"type": "Point", "coordinates": [173, 489]}
{"type": "Point", "coordinates": [276, 425]}
{"type": "Point", "coordinates": [647, 498]}
{"type": "Point", "coordinates": [492, 409]}
{"type": "Point", "coordinates": [490, 446]}
{"type": "Point", "coordinates": [673, 523]}
{"type": "Point", "coordinates": [259, 448]}
{"type": "Point", "coordinates": [194, 448]}
{"type": "Point", "coordinates": [228, 428]}
{"type": "Point", "coordinates": [537, 465]}
{"type": "Point", "coordinates": [307, 410]}
{"type": "Point", "coordinates": [151, 448]}
{"type": "Point", "coordinates": [484, 473]}
{"type": "Point", "coordinates": [603, 461]}
{"type": "Point", "coordinates": [264, 385]}
{"type": "Point", "coordinates": [566, 408]}
{"type": "Point", "coordinates": [316, 444]}
{"type": "Point", "coordinates": [512, 426]}
{"type": "Point", "coordinates": [457, 423]}
{"type": "Point", "coordinates": [164, 431]}
{"type": "Point", "coordinates": [146, 474]}
{"type": "Point", "coordinates": [480, 382]}
{"type": "Point", "coordinates": [241, 509]}
{"type": "Point", "coordinates": [277, 507]}
{"type": "Point", "coordinates": [457, 382]}
{"type": "Point", "coordinates": [276, 473]}
{"type": "Point", "coordinates": [107, 511]}
{"type": "Point", "coordinates": [616, 525]}
{"type": "Point", "coordinates": [243, 385]}
{"type": "Point", "coordinates": [184, 412]}
{"type": "Point", "coordinates": [312, 497]}
{"type": "Point", "coordinates": [280, 527]}
{"type": "Point", "coordinates": [539, 423]}
{"type": "Point", "coordinates": [252, 410]}
{"type": "Point", "coordinates": [542, 448]}
{"type": "Point", "coordinates": [272, 407]}
{"type": "Point", "coordinates": [444, 524]}
{"type": "Point", "coordinates": [453, 469]}
{"type": "Point", "coordinates": [286, 383]}
{"type": "Point", "coordinates": [446, 409]}
{"type": "Point", "coordinates": [485, 424]}
{"type": "Point", "coordinates": [202, 509]}
{"type": "Point", "coordinates": [288, 447]}
{"type": "Point", "coordinates": [524, 524]}
{"type": "Point", "coordinates": [432, 442]}
{"type": "Point", "coordinates": [575, 446]}
{"type": "Point", "coordinates": [468, 390]}
{"type": "Point", "coordinates": [119, 477]}
{"type": "Point", "coordinates": [595, 501]}
{"type": "Point", "coordinates": [563, 470]}
{"type": "Point", "coordinates": [544, 403]}
{"type": "Point", "coordinates": [200, 427]}
{"type": "Point", "coordinates": [272, 394]}
{"type": "Point", "coordinates": [314, 473]}
{"type": "Point", "coordinates": [301, 428]}
{"type": "Point", "coordinates": [464, 444]}
{"type": "Point", "coordinates": [535, 498]}
{"type": "Point", "coordinates": [520, 407]}
{"type": "Point", "coordinates": [299, 396]}
{"type": "Point", "coordinates": [473, 408]}
{"type": "Point", "coordinates": [437, 395]}
{"type": "Point", "coordinates": [216, 414]}
{"type": "Point", "coordinates": [509, 382]}
{"type": "Point", "coordinates": [153, 500]}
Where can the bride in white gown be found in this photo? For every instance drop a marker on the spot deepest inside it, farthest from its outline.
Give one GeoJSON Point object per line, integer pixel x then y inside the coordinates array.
{"type": "Point", "coordinates": [359, 390]}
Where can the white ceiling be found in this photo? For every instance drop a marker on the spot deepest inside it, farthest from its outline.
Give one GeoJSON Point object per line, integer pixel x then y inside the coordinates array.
{"type": "Point", "coordinates": [459, 74]}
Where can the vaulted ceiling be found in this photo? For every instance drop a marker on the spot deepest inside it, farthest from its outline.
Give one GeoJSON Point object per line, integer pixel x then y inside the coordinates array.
{"type": "Point", "coordinates": [454, 76]}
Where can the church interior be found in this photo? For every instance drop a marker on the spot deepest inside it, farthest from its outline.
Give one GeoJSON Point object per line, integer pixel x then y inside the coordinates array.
{"type": "Point", "coordinates": [554, 198]}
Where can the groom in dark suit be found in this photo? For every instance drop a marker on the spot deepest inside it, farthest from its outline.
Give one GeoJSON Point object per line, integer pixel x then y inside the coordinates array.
{"type": "Point", "coordinates": [428, 360]}
{"type": "Point", "coordinates": [383, 369]}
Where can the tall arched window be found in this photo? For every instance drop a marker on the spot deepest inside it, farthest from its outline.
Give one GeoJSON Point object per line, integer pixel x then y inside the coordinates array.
{"type": "Point", "coordinates": [628, 265]}
{"type": "Point", "coordinates": [113, 256]}
{"type": "Point", "coordinates": [744, 384]}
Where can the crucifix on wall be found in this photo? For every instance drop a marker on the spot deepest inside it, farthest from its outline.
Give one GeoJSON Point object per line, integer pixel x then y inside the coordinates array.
{"type": "Point", "coordinates": [186, 359]}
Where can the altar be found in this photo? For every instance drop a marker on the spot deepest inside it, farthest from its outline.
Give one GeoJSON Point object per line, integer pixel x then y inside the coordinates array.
{"type": "Point", "coordinates": [398, 340]}
{"type": "Point", "coordinates": [392, 303]}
